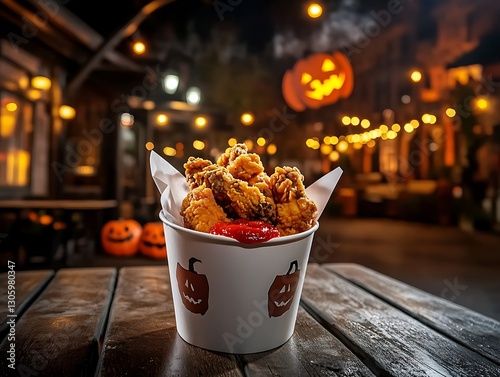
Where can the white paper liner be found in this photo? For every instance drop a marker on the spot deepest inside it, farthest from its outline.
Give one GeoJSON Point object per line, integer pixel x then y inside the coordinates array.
{"type": "Point", "coordinates": [173, 188]}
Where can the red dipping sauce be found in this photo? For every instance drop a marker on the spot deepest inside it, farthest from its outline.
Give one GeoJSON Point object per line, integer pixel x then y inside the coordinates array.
{"type": "Point", "coordinates": [246, 231]}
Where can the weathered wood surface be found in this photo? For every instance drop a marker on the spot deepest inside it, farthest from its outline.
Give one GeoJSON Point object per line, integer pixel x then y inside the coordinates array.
{"type": "Point", "coordinates": [28, 285]}
{"type": "Point", "coordinates": [473, 330]}
{"type": "Point", "coordinates": [387, 340]}
{"type": "Point", "coordinates": [60, 333]}
{"type": "Point", "coordinates": [311, 351]}
{"type": "Point", "coordinates": [142, 340]}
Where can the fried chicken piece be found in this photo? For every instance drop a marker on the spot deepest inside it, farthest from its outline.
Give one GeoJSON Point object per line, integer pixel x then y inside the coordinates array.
{"type": "Point", "coordinates": [235, 196]}
{"type": "Point", "coordinates": [193, 166]}
{"type": "Point", "coordinates": [296, 212]}
{"type": "Point", "coordinates": [200, 210]}
{"type": "Point", "coordinates": [241, 164]}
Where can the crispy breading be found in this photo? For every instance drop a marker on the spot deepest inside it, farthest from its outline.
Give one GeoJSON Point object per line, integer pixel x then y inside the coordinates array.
{"type": "Point", "coordinates": [296, 212]}
{"type": "Point", "coordinates": [193, 166]}
{"type": "Point", "coordinates": [200, 211]}
{"type": "Point", "coordinates": [235, 196]}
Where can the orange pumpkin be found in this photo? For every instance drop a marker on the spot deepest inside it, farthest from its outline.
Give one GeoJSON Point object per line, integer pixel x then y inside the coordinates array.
{"type": "Point", "coordinates": [317, 81]}
{"type": "Point", "coordinates": [121, 237]}
{"type": "Point", "coordinates": [153, 241]}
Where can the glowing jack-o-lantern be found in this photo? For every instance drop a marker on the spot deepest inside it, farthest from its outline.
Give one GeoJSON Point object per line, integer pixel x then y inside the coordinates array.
{"type": "Point", "coordinates": [193, 288]}
{"type": "Point", "coordinates": [153, 241]}
{"type": "Point", "coordinates": [121, 237]}
{"type": "Point", "coordinates": [317, 81]}
{"type": "Point", "coordinates": [282, 291]}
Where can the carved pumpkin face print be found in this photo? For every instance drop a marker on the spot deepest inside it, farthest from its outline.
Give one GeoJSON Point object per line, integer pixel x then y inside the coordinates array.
{"type": "Point", "coordinates": [153, 241]}
{"type": "Point", "coordinates": [282, 291]}
{"type": "Point", "coordinates": [121, 237]}
{"type": "Point", "coordinates": [193, 288]}
{"type": "Point", "coordinates": [317, 81]}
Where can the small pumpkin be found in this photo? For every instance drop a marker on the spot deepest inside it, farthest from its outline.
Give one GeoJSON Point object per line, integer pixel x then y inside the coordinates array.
{"type": "Point", "coordinates": [121, 237]}
{"type": "Point", "coordinates": [193, 288]}
{"type": "Point", "coordinates": [152, 242]}
{"type": "Point", "coordinates": [282, 291]}
{"type": "Point", "coordinates": [317, 81]}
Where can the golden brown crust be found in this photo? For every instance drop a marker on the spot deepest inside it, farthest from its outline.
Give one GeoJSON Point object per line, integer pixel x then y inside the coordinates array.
{"type": "Point", "coordinates": [238, 187]}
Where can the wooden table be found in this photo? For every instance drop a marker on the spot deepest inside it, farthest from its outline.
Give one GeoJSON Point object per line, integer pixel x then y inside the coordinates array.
{"type": "Point", "coordinates": [352, 322]}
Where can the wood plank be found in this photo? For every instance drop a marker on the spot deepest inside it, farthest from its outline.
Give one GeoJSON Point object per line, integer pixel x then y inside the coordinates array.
{"type": "Point", "coordinates": [60, 333]}
{"type": "Point", "coordinates": [469, 328]}
{"type": "Point", "coordinates": [387, 340]}
{"type": "Point", "coordinates": [312, 351]}
{"type": "Point", "coordinates": [142, 339]}
{"type": "Point", "coordinates": [28, 285]}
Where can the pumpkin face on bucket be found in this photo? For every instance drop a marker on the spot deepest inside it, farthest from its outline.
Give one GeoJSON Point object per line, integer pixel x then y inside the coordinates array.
{"type": "Point", "coordinates": [153, 241]}
{"type": "Point", "coordinates": [282, 291]}
{"type": "Point", "coordinates": [193, 288]}
{"type": "Point", "coordinates": [121, 237]}
{"type": "Point", "coordinates": [317, 81]}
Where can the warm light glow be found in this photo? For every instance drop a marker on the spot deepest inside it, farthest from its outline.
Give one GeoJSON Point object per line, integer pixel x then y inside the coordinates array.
{"type": "Point", "coordinates": [200, 122]}
{"type": "Point", "coordinates": [396, 127]}
{"type": "Point", "coordinates": [334, 140]}
{"type": "Point", "coordinates": [198, 144]}
{"type": "Point", "coordinates": [357, 145]}
{"type": "Point", "coordinates": [334, 156]}
{"type": "Point", "coordinates": [66, 112]}
{"type": "Point", "coordinates": [383, 136]}
{"type": "Point", "coordinates": [377, 133]}
{"type": "Point", "coordinates": [272, 149]}
{"type": "Point", "coordinates": [41, 82]}
{"type": "Point", "coordinates": [247, 119]}
{"type": "Point", "coordinates": [426, 118]}
{"type": "Point", "coordinates": [415, 123]}
{"type": "Point", "coordinates": [365, 137]}
{"type": "Point", "coordinates": [249, 144]}
{"type": "Point", "coordinates": [148, 105]}
{"type": "Point", "coordinates": [342, 146]}
{"type": "Point", "coordinates": [391, 135]}
{"type": "Point", "coordinates": [127, 120]}
{"type": "Point", "coordinates": [150, 146]}
{"type": "Point", "coordinates": [7, 124]}
{"type": "Point", "coordinates": [139, 48]}
{"type": "Point", "coordinates": [84, 170]}
{"type": "Point", "coordinates": [354, 121]}
{"type": "Point", "coordinates": [349, 138]}
{"type": "Point", "coordinates": [365, 123]}
{"type": "Point", "coordinates": [169, 151]}
{"type": "Point", "coordinates": [170, 83]}
{"type": "Point", "coordinates": [314, 10]}
{"type": "Point", "coordinates": [326, 149]}
{"type": "Point", "coordinates": [232, 142]}
{"type": "Point", "coordinates": [161, 119]}
{"type": "Point", "coordinates": [482, 103]}
{"type": "Point", "coordinates": [17, 167]}
{"type": "Point", "coordinates": [371, 144]}
{"type": "Point", "coordinates": [261, 141]}
{"type": "Point", "coordinates": [451, 112]}
{"type": "Point", "coordinates": [346, 120]}
{"type": "Point", "coordinates": [416, 76]}
{"type": "Point", "coordinates": [193, 96]}
{"type": "Point", "coordinates": [11, 106]}
{"type": "Point", "coordinates": [355, 138]}
{"type": "Point", "coordinates": [432, 119]}
{"type": "Point", "coordinates": [34, 94]}
{"type": "Point", "coordinates": [409, 128]}
{"type": "Point", "coordinates": [326, 140]}
{"type": "Point", "coordinates": [383, 128]}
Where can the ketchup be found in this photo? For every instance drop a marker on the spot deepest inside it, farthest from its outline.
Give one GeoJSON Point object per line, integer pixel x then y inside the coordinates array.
{"type": "Point", "coordinates": [246, 231]}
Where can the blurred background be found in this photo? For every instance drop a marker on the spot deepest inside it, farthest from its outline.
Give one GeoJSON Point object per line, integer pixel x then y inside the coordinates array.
{"type": "Point", "coordinates": [403, 95]}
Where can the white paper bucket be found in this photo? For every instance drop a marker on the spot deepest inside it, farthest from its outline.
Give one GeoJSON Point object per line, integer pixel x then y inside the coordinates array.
{"type": "Point", "coordinates": [233, 297]}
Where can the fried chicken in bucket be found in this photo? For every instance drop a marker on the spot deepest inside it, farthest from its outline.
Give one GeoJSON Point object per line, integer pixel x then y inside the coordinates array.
{"type": "Point", "coordinates": [236, 187]}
